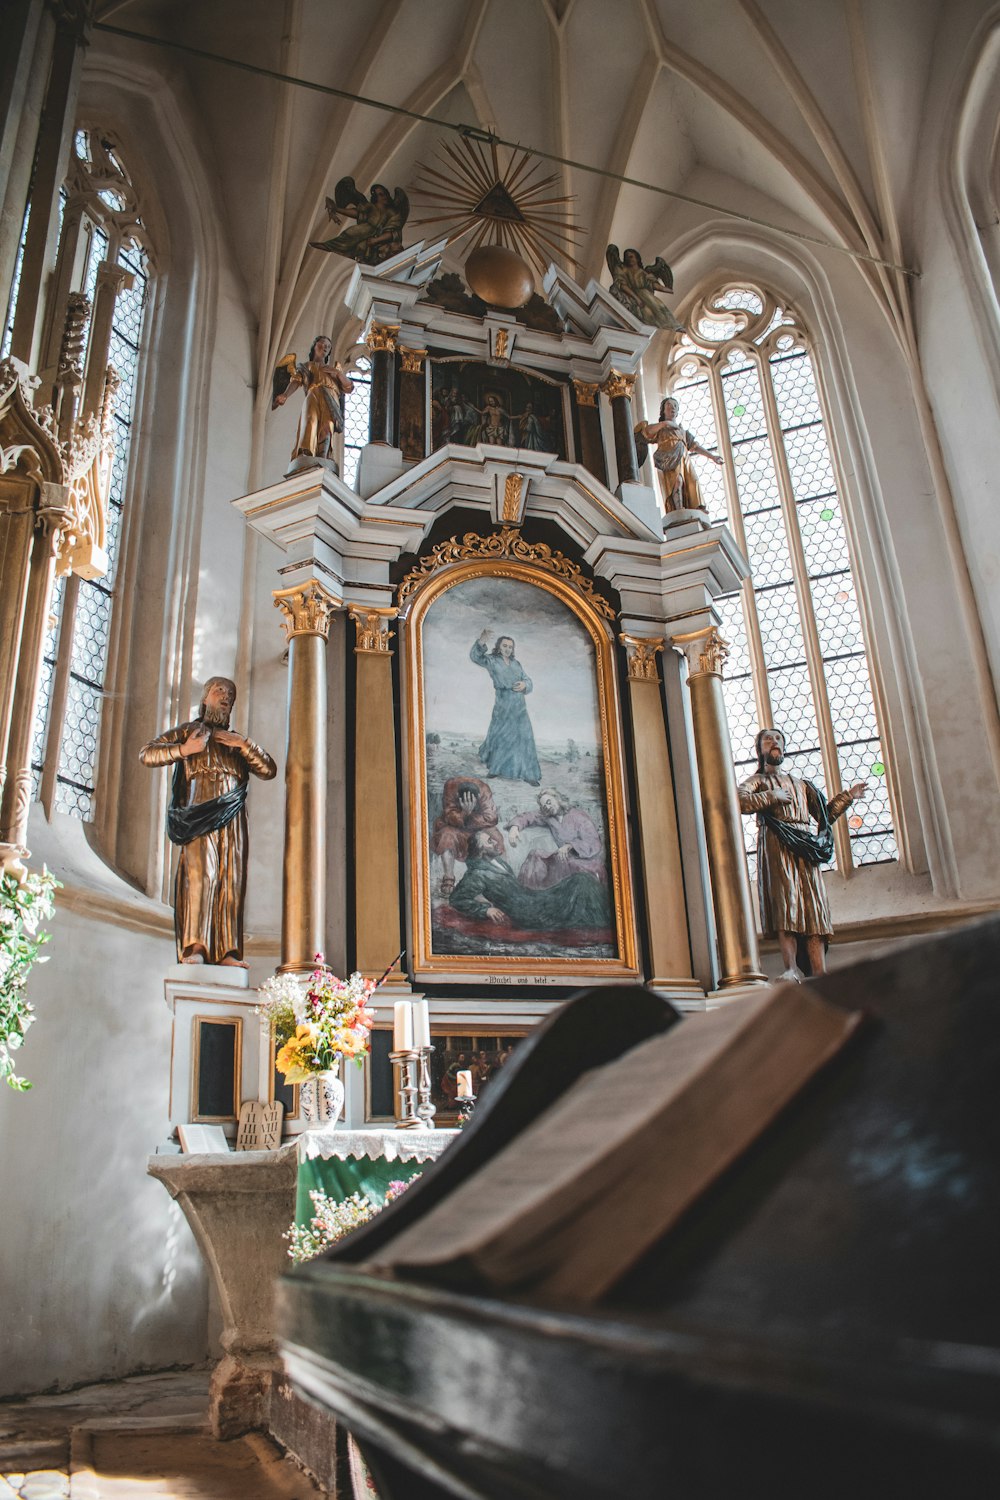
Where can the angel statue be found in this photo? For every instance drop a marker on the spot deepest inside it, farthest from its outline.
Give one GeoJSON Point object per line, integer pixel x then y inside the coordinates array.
{"type": "Point", "coordinates": [378, 231]}
{"type": "Point", "coordinates": [634, 285]}
{"type": "Point", "coordinates": [323, 383]}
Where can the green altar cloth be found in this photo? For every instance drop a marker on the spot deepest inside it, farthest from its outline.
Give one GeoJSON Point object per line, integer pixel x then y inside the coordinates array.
{"type": "Point", "coordinates": [339, 1161]}
{"type": "Point", "coordinates": [339, 1179]}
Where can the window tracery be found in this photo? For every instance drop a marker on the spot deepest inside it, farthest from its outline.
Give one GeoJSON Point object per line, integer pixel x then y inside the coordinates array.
{"type": "Point", "coordinates": [102, 235]}
{"type": "Point", "coordinates": [747, 388]}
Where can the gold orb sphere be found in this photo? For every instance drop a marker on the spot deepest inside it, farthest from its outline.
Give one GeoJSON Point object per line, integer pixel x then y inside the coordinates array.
{"type": "Point", "coordinates": [499, 276]}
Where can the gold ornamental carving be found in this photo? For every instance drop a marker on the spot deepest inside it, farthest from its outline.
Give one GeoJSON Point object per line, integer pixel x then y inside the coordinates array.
{"type": "Point", "coordinates": [381, 338]}
{"type": "Point", "coordinates": [618, 384]}
{"type": "Point", "coordinates": [504, 545]}
{"type": "Point", "coordinates": [412, 360]}
{"type": "Point", "coordinates": [500, 341]}
{"type": "Point", "coordinates": [512, 498]}
{"type": "Point", "coordinates": [706, 650]}
{"type": "Point", "coordinates": [306, 609]}
{"type": "Point", "coordinates": [586, 392]}
{"type": "Point", "coordinates": [642, 656]}
{"type": "Point", "coordinates": [372, 626]}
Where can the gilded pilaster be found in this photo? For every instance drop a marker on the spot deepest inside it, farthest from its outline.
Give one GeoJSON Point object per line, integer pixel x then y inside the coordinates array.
{"type": "Point", "coordinates": [306, 609]}
{"type": "Point", "coordinates": [659, 840]}
{"type": "Point", "coordinates": [739, 959]}
{"type": "Point", "coordinates": [378, 921]}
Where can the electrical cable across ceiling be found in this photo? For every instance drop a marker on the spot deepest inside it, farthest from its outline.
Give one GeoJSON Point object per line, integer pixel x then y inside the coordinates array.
{"type": "Point", "coordinates": [475, 132]}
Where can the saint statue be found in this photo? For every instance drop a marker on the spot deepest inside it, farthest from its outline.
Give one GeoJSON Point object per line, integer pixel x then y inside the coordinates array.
{"type": "Point", "coordinates": [207, 819]}
{"type": "Point", "coordinates": [322, 417]}
{"type": "Point", "coordinates": [675, 447]}
{"type": "Point", "coordinates": [793, 901]}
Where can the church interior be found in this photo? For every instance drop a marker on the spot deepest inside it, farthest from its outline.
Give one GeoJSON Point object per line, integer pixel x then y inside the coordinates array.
{"type": "Point", "coordinates": [499, 747]}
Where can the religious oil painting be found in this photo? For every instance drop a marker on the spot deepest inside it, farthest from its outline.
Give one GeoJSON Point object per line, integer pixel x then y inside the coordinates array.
{"type": "Point", "coordinates": [475, 403]}
{"type": "Point", "coordinates": [518, 864]}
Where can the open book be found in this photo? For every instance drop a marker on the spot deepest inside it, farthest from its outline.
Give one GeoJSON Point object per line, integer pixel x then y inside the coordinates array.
{"type": "Point", "coordinates": [595, 1181]}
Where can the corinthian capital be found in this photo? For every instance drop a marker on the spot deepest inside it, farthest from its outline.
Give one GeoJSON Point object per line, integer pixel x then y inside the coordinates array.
{"type": "Point", "coordinates": [706, 651]}
{"type": "Point", "coordinates": [372, 626]}
{"type": "Point", "coordinates": [618, 384]}
{"type": "Point", "coordinates": [382, 336]}
{"type": "Point", "coordinates": [306, 609]}
{"type": "Point", "coordinates": [642, 656]}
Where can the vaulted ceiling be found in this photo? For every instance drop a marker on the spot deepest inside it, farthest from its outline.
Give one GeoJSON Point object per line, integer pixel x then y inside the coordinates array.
{"type": "Point", "coordinates": [803, 115]}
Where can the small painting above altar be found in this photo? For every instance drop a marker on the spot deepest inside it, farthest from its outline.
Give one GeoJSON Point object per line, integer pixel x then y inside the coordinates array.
{"type": "Point", "coordinates": [473, 402]}
{"type": "Point", "coordinates": [518, 861]}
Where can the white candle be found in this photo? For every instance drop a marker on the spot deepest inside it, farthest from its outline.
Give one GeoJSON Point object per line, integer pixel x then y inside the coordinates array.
{"type": "Point", "coordinates": [421, 1024]}
{"type": "Point", "coordinates": [464, 1085]}
{"type": "Point", "coordinates": [402, 1026]}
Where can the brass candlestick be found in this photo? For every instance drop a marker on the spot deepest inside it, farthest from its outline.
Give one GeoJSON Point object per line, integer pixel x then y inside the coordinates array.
{"type": "Point", "coordinates": [408, 1058]}
{"type": "Point", "coordinates": [425, 1109]}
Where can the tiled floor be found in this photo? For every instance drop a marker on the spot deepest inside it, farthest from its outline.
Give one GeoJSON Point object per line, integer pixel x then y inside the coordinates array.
{"type": "Point", "coordinates": [138, 1439]}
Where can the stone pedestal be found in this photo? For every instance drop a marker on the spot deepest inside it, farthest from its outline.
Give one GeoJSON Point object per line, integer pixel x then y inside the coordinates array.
{"type": "Point", "coordinates": [238, 1208]}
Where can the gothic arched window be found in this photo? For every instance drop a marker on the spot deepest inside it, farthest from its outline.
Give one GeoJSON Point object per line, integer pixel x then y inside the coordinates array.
{"type": "Point", "coordinates": [102, 241]}
{"type": "Point", "coordinates": [747, 388]}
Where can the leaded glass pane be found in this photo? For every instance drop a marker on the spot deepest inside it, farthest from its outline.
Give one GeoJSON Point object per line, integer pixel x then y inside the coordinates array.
{"type": "Point", "coordinates": [809, 462]}
{"type": "Point", "coordinates": [734, 632]}
{"type": "Point", "coordinates": [755, 477]}
{"type": "Point", "coordinates": [90, 635]}
{"type": "Point", "coordinates": [78, 752]}
{"type": "Point", "coordinates": [42, 713]}
{"type": "Point", "coordinates": [78, 801]}
{"type": "Point", "coordinates": [795, 389]}
{"type": "Point", "coordinates": [744, 408]}
{"type": "Point", "coordinates": [767, 549]}
{"type": "Point", "coordinates": [824, 540]}
{"type": "Point", "coordinates": [356, 408]}
{"type": "Point", "coordinates": [792, 706]}
{"type": "Point", "coordinates": [97, 251]}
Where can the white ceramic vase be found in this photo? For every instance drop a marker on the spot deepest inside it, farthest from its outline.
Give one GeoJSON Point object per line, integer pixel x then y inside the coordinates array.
{"type": "Point", "coordinates": [321, 1100]}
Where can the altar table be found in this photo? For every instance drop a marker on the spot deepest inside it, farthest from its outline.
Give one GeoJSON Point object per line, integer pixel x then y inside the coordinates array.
{"type": "Point", "coordinates": [339, 1162]}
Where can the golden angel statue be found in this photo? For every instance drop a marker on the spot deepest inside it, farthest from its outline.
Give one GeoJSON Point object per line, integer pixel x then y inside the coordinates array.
{"type": "Point", "coordinates": [675, 449]}
{"type": "Point", "coordinates": [635, 285]}
{"type": "Point", "coordinates": [324, 383]}
{"type": "Point", "coordinates": [377, 232]}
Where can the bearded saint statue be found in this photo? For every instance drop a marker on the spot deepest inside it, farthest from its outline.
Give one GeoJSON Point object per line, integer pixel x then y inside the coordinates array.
{"type": "Point", "coordinates": [207, 819]}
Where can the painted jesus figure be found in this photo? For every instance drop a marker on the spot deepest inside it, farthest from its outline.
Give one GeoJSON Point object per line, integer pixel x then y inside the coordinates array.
{"type": "Point", "coordinates": [509, 747]}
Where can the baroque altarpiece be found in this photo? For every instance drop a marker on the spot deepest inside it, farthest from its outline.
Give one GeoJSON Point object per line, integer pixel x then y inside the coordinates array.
{"type": "Point", "coordinates": [540, 777]}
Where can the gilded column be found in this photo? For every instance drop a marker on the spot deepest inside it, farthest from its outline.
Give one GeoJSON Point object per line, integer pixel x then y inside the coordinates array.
{"type": "Point", "coordinates": [739, 960]}
{"type": "Point", "coordinates": [666, 915]}
{"type": "Point", "coordinates": [51, 522]}
{"type": "Point", "coordinates": [376, 831]}
{"type": "Point", "coordinates": [306, 609]}
{"type": "Point", "coordinates": [589, 429]}
{"type": "Point", "coordinates": [381, 341]}
{"type": "Point", "coordinates": [619, 388]}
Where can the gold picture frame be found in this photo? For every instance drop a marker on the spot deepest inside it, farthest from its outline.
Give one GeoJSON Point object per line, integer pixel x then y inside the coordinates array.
{"type": "Point", "coordinates": [506, 560]}
{"type": "Point", "coordinates": [198, 1024]}
{"type": "Point", "coordinates": [450, 1039]}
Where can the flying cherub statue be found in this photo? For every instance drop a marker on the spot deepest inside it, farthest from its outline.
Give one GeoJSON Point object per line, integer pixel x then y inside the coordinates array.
{"type": "Point", "coordinates": [634, 285]}
{"type": "Point", "coordinates": [378, 231]}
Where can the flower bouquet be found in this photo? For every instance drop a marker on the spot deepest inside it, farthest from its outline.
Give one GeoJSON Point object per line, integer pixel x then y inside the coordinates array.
{"type": "Point", "coordinates": [316, 1021]}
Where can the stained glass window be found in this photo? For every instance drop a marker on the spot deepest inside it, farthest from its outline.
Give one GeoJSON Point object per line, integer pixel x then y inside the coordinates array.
{"type": "Point", "coordinates": [356, 408]}
{"type": "Point", "coordinates": [103, 228]}
{"type": "Point", "coordinates": [747, 389]}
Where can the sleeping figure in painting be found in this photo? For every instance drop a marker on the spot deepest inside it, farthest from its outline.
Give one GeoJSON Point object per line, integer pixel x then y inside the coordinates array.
{"type": "Point", "coordinates": [509, 747]}
{"type": "Point", "coordinates": [579, 848]}
{"type": "Point", "coordinates": [466, 807]}
{"type": "Point", "coordinates": [489, 889]}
